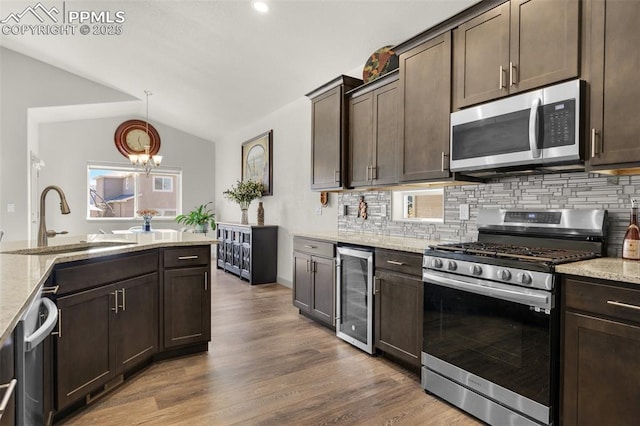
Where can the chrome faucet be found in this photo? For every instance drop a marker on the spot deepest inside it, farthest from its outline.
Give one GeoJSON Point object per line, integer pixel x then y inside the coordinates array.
{"type": "Point", "coordinates": [43, 234]}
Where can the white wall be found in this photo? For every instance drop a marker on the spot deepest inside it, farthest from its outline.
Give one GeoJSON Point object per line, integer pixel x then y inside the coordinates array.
{"type": "Point", "coordinates": [292, 206]}
{"type": "Point", "coordinates": [26, 83]}
{"type": "Point", "coordinates": [67, 147]}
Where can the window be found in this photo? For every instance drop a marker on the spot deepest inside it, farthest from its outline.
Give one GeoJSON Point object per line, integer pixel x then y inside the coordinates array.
{"type": "Point", "coordinates": [119, 192]}
{"type": "Point", "coordinates": [425, 205]}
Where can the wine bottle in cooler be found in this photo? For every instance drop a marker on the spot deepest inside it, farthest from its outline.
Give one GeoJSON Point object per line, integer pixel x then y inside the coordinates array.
{"type": "Point", "coordinates": [631, 243]}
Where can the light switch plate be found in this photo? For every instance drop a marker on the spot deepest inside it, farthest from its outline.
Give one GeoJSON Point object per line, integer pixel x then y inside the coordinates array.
{"type": "Point", "coordinates": [319, 210]}
{"type": "Point", "coordinates": [11, 208]}
{"type": "Point", "coordinates": [464, 211]}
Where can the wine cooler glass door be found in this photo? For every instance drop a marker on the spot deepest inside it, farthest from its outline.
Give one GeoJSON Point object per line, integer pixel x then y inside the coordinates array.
{"type": "Point", "coordinates": [355, 297]}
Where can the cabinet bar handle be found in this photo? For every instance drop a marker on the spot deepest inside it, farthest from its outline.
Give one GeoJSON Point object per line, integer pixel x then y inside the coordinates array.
{"type": "Point", "coordinates": [308, 265]}
{"type": "Point", "coordinates": [309, 246]}
{"type": "Point", "coordinates": [336, 176]}
{"type": "Point", "coordinates": [444, 155]}
{"type": "Point", "coordinates": [395, 262]}
{"type": "Point", "coordinates": [374, 172]}
{"type": "Point", "coordinates": [124, 303]}
{"type": "Point", "coordinates": [501, 77]}
{"type": "Point", "coordinates": [376, 285]}
{"type": "Point", "coordinates": [512, 68]}
{"type": "Point", "coordinates": [115, 294]}
{"type": "Point", "coordinates": [50, 290]}
{"type": "Point", "coordinates": [187, 257]}
{"type": "Point", "coordinates": [59, 332]}
{"type": "Point", "coordinates": [623, 305]}
{"type": "Point", "coordinates": [594, 133]}
{"type": "Point", "coordinates": [367, 178]}
{"type": "Point", "coordinates": [10, 387]}
{"type": "Point", "coordinates": [314, 266]}
{"type": "Point", "coordinates": [206, 281]}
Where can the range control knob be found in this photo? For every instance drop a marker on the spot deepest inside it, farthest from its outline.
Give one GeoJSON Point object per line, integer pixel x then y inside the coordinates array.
{"type": "Point", "coordinates": [504, 274]}
{"type": "Point", "coordinates": [475, 270]}
{"type": "Point", "coordinates": [451, 265]}
{"type": "Point", "coordinates": [436, 263]}
{"type": "Point", "coordinates": [523, 278]}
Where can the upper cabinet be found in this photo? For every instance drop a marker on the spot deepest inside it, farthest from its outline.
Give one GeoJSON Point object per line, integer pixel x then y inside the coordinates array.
{"type": "Point", "coordinates": [517, 46]}
{"type": "Point", "coordinates": [329, 123]}
{"type": "Point", "coordinates": [614, 66]}
{"type": "Point", "coordinates": [373, 133]}
{"type": "Point", "coordinates": [424, 102]}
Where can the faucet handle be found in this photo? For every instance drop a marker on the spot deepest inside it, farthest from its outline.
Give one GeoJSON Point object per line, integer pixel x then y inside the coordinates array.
{"type": "Point", "coordinates": [51, 233]}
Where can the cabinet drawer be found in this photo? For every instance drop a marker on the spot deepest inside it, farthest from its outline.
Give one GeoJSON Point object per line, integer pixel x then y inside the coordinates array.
{"type": "Point", "coordinates": [186, 256]}
{"type": "Point", "coordinates": [314, 247]}
{"type": "Point", "coordinates": [83, 275]}
{"type": "Point", "coordinates": [616, 302]}
{"type": "Point", "coordinates": [399, 261]}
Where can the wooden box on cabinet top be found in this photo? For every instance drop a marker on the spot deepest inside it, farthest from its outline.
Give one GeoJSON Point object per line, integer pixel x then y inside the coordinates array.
{"type": "Point", "coordinates": [248, 251]}
{"type": "Point", "coordinates": [601, 362]}
{"type": "Point", "coordinates": [517, 46]}
{"type": "Point", "coordinates": [329, 124]}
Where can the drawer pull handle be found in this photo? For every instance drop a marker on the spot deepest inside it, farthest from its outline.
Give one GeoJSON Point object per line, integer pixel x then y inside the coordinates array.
{"type": "Point", "coordinates": [10, 387]}
{"type": "Point", "coordinates": [623, 305]}
{"type": "Point", "coordinates": [187, 257]}
{"type": "Point", "coordinates": [50, 290]}
{"type": "Point", "coordinates": [309, 246]}
{"type": "Point", "coordinates": [395, 262]}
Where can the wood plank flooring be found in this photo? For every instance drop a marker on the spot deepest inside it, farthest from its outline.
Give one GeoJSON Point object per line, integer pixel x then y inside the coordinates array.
{"type": "Point", "coordinates": [268, 365]}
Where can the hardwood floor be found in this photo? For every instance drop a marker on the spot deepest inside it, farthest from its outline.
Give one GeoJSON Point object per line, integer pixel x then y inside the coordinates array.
{"type": "Point", "coordinates": [268, 365]}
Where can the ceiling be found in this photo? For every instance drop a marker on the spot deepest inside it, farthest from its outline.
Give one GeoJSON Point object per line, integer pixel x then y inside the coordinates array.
{"type": "Point", "coordinates": [216, 66]}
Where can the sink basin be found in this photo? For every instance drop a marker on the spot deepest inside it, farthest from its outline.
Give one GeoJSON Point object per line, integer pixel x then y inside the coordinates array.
{"type": "Point", "coordinates": [69, 248]}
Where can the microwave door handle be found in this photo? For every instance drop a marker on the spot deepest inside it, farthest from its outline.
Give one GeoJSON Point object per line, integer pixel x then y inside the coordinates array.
{"type": "Point", "coordinates": [533, 128]}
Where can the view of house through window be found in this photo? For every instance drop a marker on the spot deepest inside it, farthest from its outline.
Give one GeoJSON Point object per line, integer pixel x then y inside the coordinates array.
{"type": "Point", "coordinates": [119, 192]}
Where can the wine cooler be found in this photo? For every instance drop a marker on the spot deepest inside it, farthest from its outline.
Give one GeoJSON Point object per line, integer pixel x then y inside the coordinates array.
{"type": "Point", "coordinates": [354, 297]}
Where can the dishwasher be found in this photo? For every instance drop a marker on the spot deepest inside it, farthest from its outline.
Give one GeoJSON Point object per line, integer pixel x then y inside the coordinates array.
{"type": "Point", "coordinates": [33, 363]}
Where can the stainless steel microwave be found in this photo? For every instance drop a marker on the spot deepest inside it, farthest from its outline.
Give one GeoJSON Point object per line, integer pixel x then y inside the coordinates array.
{"type": "Point", "coordinates": [537, 128]}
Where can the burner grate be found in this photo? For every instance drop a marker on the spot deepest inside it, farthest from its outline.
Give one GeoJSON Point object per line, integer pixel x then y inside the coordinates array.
{"type": "Point", "coordinates": [499, 250]}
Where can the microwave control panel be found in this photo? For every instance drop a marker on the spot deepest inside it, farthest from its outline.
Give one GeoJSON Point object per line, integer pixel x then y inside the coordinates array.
{"type": "Point", "coordinates": [558, 122]}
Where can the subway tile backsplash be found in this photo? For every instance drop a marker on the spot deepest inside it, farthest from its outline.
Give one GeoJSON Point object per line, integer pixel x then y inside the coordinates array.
{"type": "Point", "coordinates": [555, 191]}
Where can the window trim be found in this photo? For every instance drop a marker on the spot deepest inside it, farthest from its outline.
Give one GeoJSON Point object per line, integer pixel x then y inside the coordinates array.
{"type": "Point", "coordinates": [93, 165]}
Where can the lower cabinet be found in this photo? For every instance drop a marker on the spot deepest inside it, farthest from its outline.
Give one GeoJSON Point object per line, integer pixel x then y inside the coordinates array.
{"type": "Point", "coordinates": [398, 293]}
{"type": "Point", "coordinates": [314, 279]}
{"type": "Point", "coordinates": [8, 384]}
{"type": "Point", "coordinates": [601, 362]}
{"type": "Point", "coordinates": [102, 332]}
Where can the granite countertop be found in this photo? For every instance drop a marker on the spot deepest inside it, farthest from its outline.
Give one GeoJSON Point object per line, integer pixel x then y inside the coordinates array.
{"type": "Point", "coordinates": [22, 276]}
{"type": "Point", "coordinates": [606, 268]}
{"type": "Point", "coordinates": [413, 245]}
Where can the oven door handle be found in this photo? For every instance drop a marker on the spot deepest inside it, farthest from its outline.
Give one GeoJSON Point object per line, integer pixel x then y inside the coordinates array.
{"type": "Point", "coordinates": [41, 333]}
{"type": "Point", "coordinates": [538, 299]}
{"type": "Point", "coordinates": [533, 128]}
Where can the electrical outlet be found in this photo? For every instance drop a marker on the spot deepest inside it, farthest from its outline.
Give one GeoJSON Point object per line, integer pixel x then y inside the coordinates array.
{"type": "Point", "coordinates": [383, 210]}
{"type": "Point", "coordinates": [319, 210]}
{"type": "Point", "coordinates": [464, 211]}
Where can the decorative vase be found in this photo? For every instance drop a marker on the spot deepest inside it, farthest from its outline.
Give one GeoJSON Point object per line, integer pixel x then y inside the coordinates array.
{"type": "Point", "coordinates": [146, 226]}
{"type": "Point", "coordinates": [260, 214]}
{"type": "Point", "coordinates": [245, 217]}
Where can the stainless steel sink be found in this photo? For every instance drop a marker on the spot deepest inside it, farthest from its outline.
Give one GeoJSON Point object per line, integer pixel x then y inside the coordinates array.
{"type": "Point", "coordinates": [69, 248]}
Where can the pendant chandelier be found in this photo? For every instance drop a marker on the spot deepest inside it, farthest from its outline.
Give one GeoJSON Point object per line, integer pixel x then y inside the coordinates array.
{"type": "Point", "coordinates": [146, 162]}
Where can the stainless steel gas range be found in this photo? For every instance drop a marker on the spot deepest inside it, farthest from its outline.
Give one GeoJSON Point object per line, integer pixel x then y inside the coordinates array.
{"type": "Point", "coordinates": [491, 327]}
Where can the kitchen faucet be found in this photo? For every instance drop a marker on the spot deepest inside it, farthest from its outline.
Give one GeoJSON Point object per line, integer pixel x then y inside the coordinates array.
{"type": "Point", "coordinates": [43, 234]}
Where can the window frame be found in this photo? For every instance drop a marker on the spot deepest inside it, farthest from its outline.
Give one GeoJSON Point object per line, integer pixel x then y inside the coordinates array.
{"type": "Point", "coordinates": [399, 202]}
{"type": "Point", "coordinates": [162, 177]}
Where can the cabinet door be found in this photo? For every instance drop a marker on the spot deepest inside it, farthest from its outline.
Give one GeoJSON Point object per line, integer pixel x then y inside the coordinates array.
{"type": "Point", "coordinates": [481, 57]}
{"type": "Point", "coordinates": [187, 306]}
{"type": "Point", "coordinates": [360, 139]}
{"type": "Point", "coordinates": [614, 66]}
{"type": "Point", "coordinates": [326, 144]}
{"type": "Point", "coordinates": [302, 281]}
{"type": "Point", "coordinates": [398, 301]}
{"type": "Point", "coordinates": [7, 375]}
{"type": "Point", "coordinates": [424, 102]}
{"type": "Point", "coordinates": [86, 349]}
{"type": "Point", "coordinates": [385, 141]}
{"type": "Point", "coordinates": [544, 43]}
{"type": "Point", "coordinates": [599, 389]}
{"type": "Point", "coordinates": [323, 307]}
{"type": "Point", "coordinates": [137, 320]}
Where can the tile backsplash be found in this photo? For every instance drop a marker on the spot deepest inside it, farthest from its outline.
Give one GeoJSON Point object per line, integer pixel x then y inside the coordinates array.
{"type": "Point", "coordinates": [555, 191]}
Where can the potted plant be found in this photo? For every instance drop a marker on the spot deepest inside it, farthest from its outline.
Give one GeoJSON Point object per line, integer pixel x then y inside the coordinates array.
{"type": "Point", "coordinates": [243, 193]}
{"type": "Point", "coordinates": [201, 218]}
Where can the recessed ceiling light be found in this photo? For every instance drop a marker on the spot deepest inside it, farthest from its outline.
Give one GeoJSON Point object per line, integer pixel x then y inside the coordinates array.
{"type": "Point", "coordinates": [260, 6]}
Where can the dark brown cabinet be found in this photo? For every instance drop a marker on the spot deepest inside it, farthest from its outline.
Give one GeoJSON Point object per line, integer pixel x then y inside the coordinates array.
{"type": "Point", "coordinates": [517, 46]}
{"type": "Point", "coordinates": [248, 251]}
{"type": "Point", "coordinates": [614, 67]}
{"type": "Point", "coordinates": [329, 124]}
{"type": "Point", "coordinates": [601, 363]}
{"type": "Point", "coordinates": [373, 134]}
{"type": "Point", "coordinates": [314, 279]}
{"type": "Point", "coordinates": [8, 383]}
{"type": "Point", "coordinates": [398, 293]}
{"type": "Point", "coordinates": [102, 332]}
{"type": "Point", "coordinates": [424, 101]}
{"type": "Point", "coordinates": [187, 296]}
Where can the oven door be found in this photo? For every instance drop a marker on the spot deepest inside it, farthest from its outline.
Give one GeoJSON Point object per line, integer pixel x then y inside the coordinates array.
{"type": "Point", "coordinates": [494, 339]}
